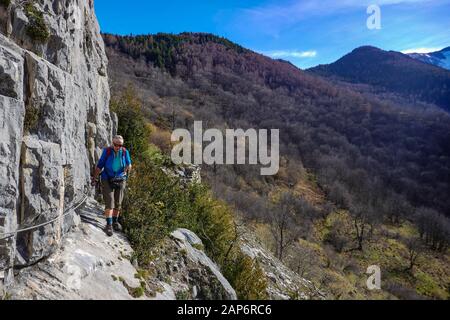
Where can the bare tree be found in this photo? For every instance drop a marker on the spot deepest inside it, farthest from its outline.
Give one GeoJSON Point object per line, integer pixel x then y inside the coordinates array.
{"type": "Point", "coordinates": [362, 223]}
{"type": "Point", "coordinates": [304, 260]}
{"type": "Point", "coordinates": [414, 247]}
{"type": "Point", "coordinates": [285, 226]}
{"type": "Point", "coordinates": [362, 209]}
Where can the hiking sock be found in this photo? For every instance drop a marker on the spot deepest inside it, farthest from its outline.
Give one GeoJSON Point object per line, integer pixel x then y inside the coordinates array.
{"type": "Point", "coordinates": [115, 219]}
{"type": "Point", "coordinates": [109, 221]}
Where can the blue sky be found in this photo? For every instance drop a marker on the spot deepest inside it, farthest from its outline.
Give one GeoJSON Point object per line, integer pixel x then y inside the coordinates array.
{"type": "Point", "coordinates": [305, 32]}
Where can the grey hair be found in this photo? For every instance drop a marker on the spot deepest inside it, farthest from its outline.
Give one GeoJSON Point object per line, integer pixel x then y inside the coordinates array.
{"type": "Point", "coordinates": [118, 139]}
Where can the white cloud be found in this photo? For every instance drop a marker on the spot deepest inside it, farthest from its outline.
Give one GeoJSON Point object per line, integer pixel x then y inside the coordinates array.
{"type": "Point", "coordinates": [290, 54]}
{"type": "Point", "coordinates": [421, 50]}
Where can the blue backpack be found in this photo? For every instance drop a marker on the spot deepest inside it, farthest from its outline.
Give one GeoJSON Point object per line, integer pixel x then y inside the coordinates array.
{"type": "Point", "coordinates": [110, 150]}
{"type": "Point", "coordinates": [116, 182]}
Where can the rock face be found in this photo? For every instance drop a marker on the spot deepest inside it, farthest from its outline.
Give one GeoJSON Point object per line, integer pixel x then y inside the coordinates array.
{"type": "Point", "coordinates": [54, 120]}
{"type": "Point", "coordinates": [182, 265]}
{"type": "Point", "coordinates": [187, 173]}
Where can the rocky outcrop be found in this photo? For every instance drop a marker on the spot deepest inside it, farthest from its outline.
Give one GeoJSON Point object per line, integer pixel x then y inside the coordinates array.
{"type": "Point", "coordinates": [282, 282]}
{"type": "Point", "coordinates": [181, 262]}
{"type": "Point", "coordinates": [186, 173]}
{"type": "Point", "coordinates": [54, 120]}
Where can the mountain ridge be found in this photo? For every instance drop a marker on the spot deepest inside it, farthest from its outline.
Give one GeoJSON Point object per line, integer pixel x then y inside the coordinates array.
{"type": "Point", "coordinates": [439, 58]}
{"type": "Point", "coordinates": [391, 71]}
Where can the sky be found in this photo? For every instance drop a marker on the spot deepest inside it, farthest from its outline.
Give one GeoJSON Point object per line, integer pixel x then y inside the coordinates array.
{"type": "Point", "coordinates": [304, 32]}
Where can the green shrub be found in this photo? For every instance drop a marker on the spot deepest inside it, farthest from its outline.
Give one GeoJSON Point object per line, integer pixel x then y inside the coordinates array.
{"type": "Point", "coordinates": [132, 124]}
{"type": "Point", "coordinates": [37, 28]}
{"type": "Point", "coordinates": [137, 292]}
{"type": "Point", "coordinates": [183, 295]}
{"type": "Point", "coordinates": [210, 219]}
{"type": "Point", "coordinates": [149, 208]}
{"type": "Point", "coordinates": [32, 115]}
{"type": "Point", "coordinates": [154, 155]}
{"type": "Point", "coordinates": [246, 277]}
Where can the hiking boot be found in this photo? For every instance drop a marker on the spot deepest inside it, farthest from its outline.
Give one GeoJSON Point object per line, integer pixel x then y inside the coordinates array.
{"type": "Point", "coordinates": [117, 227]}
{"type": "Point", "coordinates": [109, 230]}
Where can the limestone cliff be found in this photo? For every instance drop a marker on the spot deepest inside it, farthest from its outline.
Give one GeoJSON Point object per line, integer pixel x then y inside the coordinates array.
{"type": "Point", "coordinates": [54, 119]}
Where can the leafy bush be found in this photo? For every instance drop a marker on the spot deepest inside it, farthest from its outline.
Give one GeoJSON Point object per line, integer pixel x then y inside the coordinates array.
{"type": "Point", "coordinates": [37, 28]}
{"type": "Point", "coordinates": [148, 206]}
{"type": "Point", "coordinates": [32, 115]}
{"type": "Point", "coordinates": [247, 277]}
{"type": "Point", "coordinates": [132, 125]}
{"type": "Point", "coordinates": [154, 155]}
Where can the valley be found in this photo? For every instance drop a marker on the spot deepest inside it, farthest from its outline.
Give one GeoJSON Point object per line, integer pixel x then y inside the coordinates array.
{"type": "Point", "coordinates": [357, 170]}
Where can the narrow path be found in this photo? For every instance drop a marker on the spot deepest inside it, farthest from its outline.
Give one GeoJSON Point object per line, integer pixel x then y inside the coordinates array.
{"type": "Point", "coordinates": [89, 265]}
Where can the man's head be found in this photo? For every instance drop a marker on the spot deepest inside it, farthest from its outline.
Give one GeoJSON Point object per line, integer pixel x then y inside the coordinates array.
{"type": "Point", "coordinates": [117, 142]}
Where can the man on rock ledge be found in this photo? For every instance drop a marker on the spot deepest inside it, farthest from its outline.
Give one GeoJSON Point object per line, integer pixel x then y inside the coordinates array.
{"type": "Point", "coordinates": [114, 166]}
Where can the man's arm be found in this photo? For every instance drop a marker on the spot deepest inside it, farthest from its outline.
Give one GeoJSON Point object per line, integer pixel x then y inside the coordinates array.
{"type": "Point", "coordinates": [99, 167]}
{"type": "Point", "coordinates": [128, 163]}
{"type": "Point", "coordinates": [97, 172]}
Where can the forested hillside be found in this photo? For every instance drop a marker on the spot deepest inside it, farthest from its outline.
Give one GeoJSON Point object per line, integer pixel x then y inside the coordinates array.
{"type": "Point", "coordinates": [351, 165]}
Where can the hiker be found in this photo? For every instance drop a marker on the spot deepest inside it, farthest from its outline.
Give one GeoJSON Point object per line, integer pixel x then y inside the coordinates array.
{"type": "Point", "coordinates": [114, 166]}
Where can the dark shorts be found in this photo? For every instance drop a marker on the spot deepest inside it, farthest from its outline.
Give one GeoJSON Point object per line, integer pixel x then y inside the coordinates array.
{"type": "Point", "coordinates": [112, 198]}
